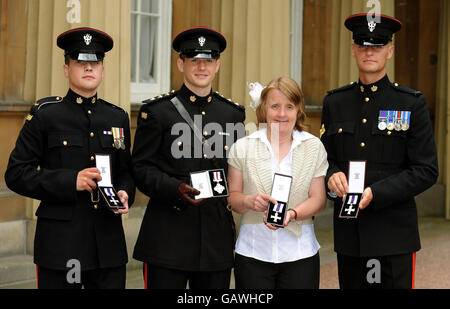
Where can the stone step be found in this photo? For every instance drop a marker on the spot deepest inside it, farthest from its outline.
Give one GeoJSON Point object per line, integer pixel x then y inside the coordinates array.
{"type": "Point", "coordinates": [17, 268]}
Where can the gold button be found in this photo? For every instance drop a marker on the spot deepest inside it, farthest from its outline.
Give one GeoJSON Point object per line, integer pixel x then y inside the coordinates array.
{"type": "Point", "coordinates": [367, 99]}
{"type": "Point", "coordinates": [205, 156]}
{"type": "Point", "coordinates": [93, 100]}
{"type": "Point", "coordinates": [203, 113]}
{"type": "Point", "coordinates": [361, 88]}
{"type": "Point", "coordinates": [91, 135]}
{"type": "Point", "coordinates": [389, 132]}
{"type": "Point", "coordinates": [226, 147]}
{"type": "Point", "coordinates": [89, 112]}
{"type": "Point", "coordinates": [92, 158]}
{"type": "Point", "coordinates": [95, 206]}
{"type": "Point", "coordinates": [396, 84]}
{"type": "Point", "coordinates": [205, 133]}
{"type": "Point", "coordinates": [180, 143]}
{"type": "Point", "coordinates": [65, 143]}
{"type": "Point", "coordinates": [362, 145]}
{"type": "Point", "coordinates": [364, 120]}
{"type": "Point", "coordinates": [340, 130]}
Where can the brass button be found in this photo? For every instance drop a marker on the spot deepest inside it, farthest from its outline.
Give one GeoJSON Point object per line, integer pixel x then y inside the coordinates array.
{"type": "Point", "coordinates": [65, 143]}
{"type": "Point", "coordinates": [226, 147]}
{"type": "Point", "coordinates": [205, 156]}
{"type": "Point", "coordinates": [205, 133]}
{"type": "Point", "coordinates": [89, 112]}
{"type": "Point", "coordinates": [92, 134]}
{"type": "Point", "coordinates": [362, 145]}
{"type": "Point", "coordinates": [364, 120]}
{"type": "Point", "coordinates": [203, 113]}
{"type": "Point", "coordinates": [180, 143]}
{"type": "Point", "coordinates": [92, 158]}
{"type": "Point", "coordinates": [367, 99]}
{"type": "Point", "coordinates": [396, 84]}
{"type": "Point", "coordinates": [95, 206]}
{"type": "Point", "coordinates": [340, 130]}
{"type": "Point", "coordinates": [389, 133]}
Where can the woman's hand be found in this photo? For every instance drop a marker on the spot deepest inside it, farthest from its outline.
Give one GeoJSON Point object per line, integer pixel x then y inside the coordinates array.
{"type": "Point", "coordinates": [258, 202]}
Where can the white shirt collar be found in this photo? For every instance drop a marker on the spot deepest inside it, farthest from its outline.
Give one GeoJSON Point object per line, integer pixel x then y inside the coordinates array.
{"type": "Point", "coordinates": [297, 137]}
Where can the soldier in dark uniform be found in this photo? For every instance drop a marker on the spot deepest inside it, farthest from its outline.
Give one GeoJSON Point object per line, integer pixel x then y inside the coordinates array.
{"type": "Point", "coordinates": [183, 239]}
{"type": "Point", "coordinates": [388, 126]}
{"type": "Point", "coordinates": [53, 161]}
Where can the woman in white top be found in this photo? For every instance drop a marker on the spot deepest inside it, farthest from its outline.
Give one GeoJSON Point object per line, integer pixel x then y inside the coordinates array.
{"type": "Point", "coordinates": [266, 256]}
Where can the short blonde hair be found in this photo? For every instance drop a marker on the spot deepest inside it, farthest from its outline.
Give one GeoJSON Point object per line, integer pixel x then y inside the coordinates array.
{"type": "Point", "coordinates": [292, 91]}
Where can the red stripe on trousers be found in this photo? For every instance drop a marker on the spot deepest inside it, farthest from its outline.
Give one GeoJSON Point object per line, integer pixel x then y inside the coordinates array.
{"type": "Point", "coordinates": [413, 268]}
{"type": "Point", "coordinates": [145, 275]}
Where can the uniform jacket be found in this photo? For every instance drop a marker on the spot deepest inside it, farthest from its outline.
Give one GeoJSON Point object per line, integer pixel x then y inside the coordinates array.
{"type": "Point", "coordinates": [59, 139]}
{"type": "Point", "coordinates": [174, 235]}
{"type": "Point", "coordinates": [400, 165]}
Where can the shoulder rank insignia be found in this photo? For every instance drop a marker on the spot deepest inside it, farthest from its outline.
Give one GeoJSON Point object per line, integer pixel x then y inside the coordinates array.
{"type": "Point", "coordinates": [349, 86]}
{"type": "Point", "coordinates": [43, 102]}
{"type": "Point", "coordinates": [406, 89]}
{"type": "Point", "coordinates": [167, 95]}
{"type": "Point", "coordinates": [229, 101]}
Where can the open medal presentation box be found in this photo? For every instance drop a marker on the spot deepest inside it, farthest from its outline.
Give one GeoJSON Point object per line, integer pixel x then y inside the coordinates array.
{"type": "Point", "coordinates": [356, 182]}
{"type": "Point", "coordinates": [281, 188]}
{"type": "Point", "coordinates": [105, 186]}
{"type": "Point", "coordinates": [210, 183]}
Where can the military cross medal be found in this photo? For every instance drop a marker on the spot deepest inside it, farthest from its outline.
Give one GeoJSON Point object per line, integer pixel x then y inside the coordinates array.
{"type": "Point", "coordinates": [356, 177]}
{"type": "Point", "coordinates": [281, 188]}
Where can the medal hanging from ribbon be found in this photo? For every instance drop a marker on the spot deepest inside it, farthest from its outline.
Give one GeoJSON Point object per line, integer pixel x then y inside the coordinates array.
{"type": "Point", "coordinates": [217, 178]}
{"type": "Point", "coordinates": [119, 138]}
{"type": "Point", "coordinates": [382, 121]}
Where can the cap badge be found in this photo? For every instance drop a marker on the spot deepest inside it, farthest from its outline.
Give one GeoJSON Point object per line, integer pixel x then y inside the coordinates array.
{"type": "Point", "coordinates": [87, 38]}
{"type": "Point", "coordinates": [372, 25]}
{"type": "Point", "coordinates": [201, 41]}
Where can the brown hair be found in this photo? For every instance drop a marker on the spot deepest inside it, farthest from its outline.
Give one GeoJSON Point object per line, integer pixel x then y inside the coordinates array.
{"type": "Point", "coordinates": [292, 91]}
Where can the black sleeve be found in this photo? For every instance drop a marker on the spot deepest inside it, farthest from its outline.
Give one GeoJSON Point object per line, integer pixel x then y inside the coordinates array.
{"type": "Point", "coordinates": [331, 153]}
{"type": "Point", "coordinates": [150, 179]}
{"type": "Point", "coordinates": [125, 179]}
{"type": "Point", "coordinates": [25, 175]}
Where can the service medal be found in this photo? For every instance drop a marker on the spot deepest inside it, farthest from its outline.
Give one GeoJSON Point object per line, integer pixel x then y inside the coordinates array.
{"type": "Point", "coordinates": [390, 120]}
{"type": "Point", "coordinates": [382, 120]}
{"type": "Point", "coordinates": [118, 138]}
{"type": "Point", "coordinates": [382, 126]}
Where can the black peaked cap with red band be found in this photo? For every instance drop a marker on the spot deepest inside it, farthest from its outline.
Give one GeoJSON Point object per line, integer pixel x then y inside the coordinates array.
{"type": "Point", "coordinates": [85, 41]}
{"type": "Point", "coordinates": [372, 29]}
{"type": "Point", "coordinates": [199, 42]}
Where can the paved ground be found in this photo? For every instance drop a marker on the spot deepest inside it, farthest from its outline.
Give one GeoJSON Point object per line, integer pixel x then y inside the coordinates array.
{"type": "Point", "coordinates": [432, 261]}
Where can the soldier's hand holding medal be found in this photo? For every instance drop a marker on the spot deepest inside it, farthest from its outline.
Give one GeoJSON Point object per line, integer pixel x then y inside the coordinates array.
{"type": "Point", "coordinates": [86, 179]}
{"type": "Point", "coordinates": [187, 195]}
{"type": "Point", "coordinates": [123, 196]}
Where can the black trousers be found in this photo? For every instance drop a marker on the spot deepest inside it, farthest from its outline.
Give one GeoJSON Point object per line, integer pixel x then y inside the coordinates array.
{"type": "Point", "coordinates": [385, 272]}
{"type": "Point", "coordinates": [251, 273]}
{"type": "Point", "coordinates": [103, 278]}
{"type": "Point", "coordinates": [156, 277]}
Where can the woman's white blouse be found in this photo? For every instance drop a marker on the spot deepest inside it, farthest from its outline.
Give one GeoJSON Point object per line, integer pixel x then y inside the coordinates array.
{"type": "Point", "coordinates": [258, 241]}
